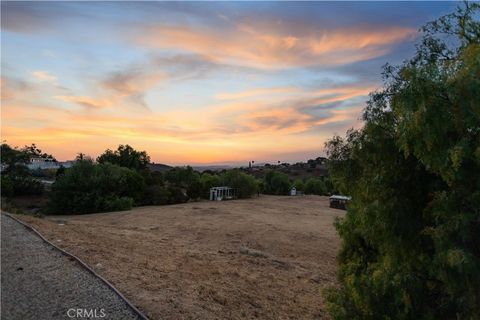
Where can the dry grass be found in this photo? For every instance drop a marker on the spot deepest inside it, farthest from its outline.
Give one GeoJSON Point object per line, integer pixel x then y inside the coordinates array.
{"type": "Point", "coordinates": [267, 257]}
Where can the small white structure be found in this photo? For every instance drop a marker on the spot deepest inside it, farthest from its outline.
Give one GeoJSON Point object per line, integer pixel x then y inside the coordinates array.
{"type": "Point", "coordinates": [339, 201]}
{"type": "Point", "coordinates": [47, 163]}
{"type": "Point", "coordinates": [293, 191]}
{"type": "Point", "coordinates": [222, 193]}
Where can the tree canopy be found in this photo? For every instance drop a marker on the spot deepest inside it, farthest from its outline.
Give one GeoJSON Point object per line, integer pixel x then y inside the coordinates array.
{"type": "Point", "coordinates": [125, 156]}
{"type": "Point", "coordinates": [411, 244]}
{"type": "Point", "coordinates": [16, 177]}
{"type": "Point", "coordinates": [87, 187]}
{"type": "Point", "coordinates": [276, 183]}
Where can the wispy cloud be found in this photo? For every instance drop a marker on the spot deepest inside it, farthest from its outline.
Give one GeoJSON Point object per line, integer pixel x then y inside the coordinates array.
{"type": "Point", "coordinates": [12, 88]}
{"type": "Point", "coordinates": [44, 76]}
{"type": "Point", "coordinates": [257, 92]}
{"type": "Point", "coordinates": [87, 102]}
{"type": "Point", "coordinates": [249, 46]}
{"type": "Point", "coordinates": [132, 81]}
{"type": "Point", "coordinates": [193, 82]}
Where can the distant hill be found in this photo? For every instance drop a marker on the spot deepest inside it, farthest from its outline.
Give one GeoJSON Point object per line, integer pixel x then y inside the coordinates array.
{"type": "Point", "coordinates": [300, 170]}
{"type": "Point", "coordinates": [212, 168]}
{"type": "Point", "coordinates": [159, 167]}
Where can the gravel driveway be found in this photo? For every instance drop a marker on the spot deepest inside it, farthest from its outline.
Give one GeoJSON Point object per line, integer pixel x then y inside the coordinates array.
{"type": "Point", "coordinates": [38, 282]}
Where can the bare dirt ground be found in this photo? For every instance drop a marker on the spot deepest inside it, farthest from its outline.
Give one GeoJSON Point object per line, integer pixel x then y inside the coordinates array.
{"type": "Point", "coordinates": [267, 257]}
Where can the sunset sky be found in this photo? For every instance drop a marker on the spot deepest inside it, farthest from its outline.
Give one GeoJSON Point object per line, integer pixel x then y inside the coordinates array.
{"type": "Point", "coordinates": [197, 83]}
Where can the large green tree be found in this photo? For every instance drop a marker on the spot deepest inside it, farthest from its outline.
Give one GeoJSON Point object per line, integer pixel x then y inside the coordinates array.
{"type": "Point", "coordinates": [411, 235]}
{"type": "Point", "coordinates": [125, 156]}
{"type": "Point", "coordinates": [276, 183]}
{"type": "Point", "coordinates": [244, 184]}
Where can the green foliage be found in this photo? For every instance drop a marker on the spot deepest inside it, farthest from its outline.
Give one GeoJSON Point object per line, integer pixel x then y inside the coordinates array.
{"type": "Point", "coordinates": [124, 156]}
{"type": "Point", "coordinates": [208, 181]}
{"type": "Point", "coordinates": [156, 194]}
{"type": "Point", "coordinates": [87, 187]}
{"type": "Point", "coordinates": [276, 183]}
{"type": "Point", "coordinates": [176, 195]}
{"type": "Point", "coordinates": [411, 234]}
{"type": "Point", "coordinates": [11, 156]}
{"type": "Point", "coordinates": [194, 189]}
{"type": "Point", "coordinates": [18, 181]}
{"type": "Point", "coordinates": [114, 203]}
{"type": "Point", "coordinates": [184, 178]}
{"type": "Point", "coordinates": [315, 186]}
{"type": "Point", "coordinates": [299, 184]}
{"type": "Point", "coordinates": [32, 151]}
{"type": "Point", "coordinates": [245, 184]}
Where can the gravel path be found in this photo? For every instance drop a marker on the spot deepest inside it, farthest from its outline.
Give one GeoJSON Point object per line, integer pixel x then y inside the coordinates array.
{"type": "Point", "coordinates": [38, 282]}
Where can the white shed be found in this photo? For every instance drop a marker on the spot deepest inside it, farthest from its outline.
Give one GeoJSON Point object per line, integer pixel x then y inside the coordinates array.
{"type": "Point", "coordinates": [222, 193]}
{"type": "Point", "coordinates": [293, 191]}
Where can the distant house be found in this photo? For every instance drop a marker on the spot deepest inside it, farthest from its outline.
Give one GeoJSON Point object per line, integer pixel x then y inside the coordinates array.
{"type": "Point", "coordinates": [47, 163]}
{"type": "Point", "coordinates": [43, 163]}
{"type": "Point", "coordinates": [339, 202]}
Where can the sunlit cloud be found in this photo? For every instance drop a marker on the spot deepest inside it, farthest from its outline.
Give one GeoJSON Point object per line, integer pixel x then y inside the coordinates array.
{"type": "Point", "coordinates": [251, 47]}
{"type": "Point", "coordinates": [195, 83]}
{"type": "Point", "coordinates": [44, 76]}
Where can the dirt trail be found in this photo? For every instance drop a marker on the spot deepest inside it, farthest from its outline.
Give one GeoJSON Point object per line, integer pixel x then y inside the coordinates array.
{"type": "Point", "coordinates": [266, 257]}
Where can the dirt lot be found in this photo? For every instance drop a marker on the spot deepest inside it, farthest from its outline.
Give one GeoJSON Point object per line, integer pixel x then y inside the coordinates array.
{"type": "Point", "coordinates": [267, 257]}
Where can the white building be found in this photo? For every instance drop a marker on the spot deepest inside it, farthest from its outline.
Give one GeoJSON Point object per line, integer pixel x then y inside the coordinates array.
{"type": "Point", "coordinates": [46, 163]}
{"type": "Point", "coordinates": [222, 193]}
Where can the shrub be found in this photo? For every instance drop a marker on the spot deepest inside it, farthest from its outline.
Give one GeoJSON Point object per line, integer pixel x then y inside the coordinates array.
{"type": "Point", "coordinates": [276, 183]}
{"type": "Point", "coordinates": [114, 203]}
{"type": "Point", "coordinates": [87, 188]}
{"type": "Point", "coordinates": [185, 178]}
{"type": "Point", "coordinates": [208, 181]}
{"type": "Point", "coordinates": [315, 186]}
{"type": "Point", "coordinates": [299, 185]}
{"type": "Point", "coordinates": [245, 184]}
{"type": "Point", "coordinates": [156, 194]}
{"type": "Point", "coordinates": [194, 189]}
{"type": "Point", "coordinates": [176, 195]}
{"type": "Point", "coordinates": [18, 182]}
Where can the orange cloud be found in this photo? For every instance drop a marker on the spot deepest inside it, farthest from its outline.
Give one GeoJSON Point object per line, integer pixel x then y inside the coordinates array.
{"type": "Point", "coordinates": [250, 46]}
